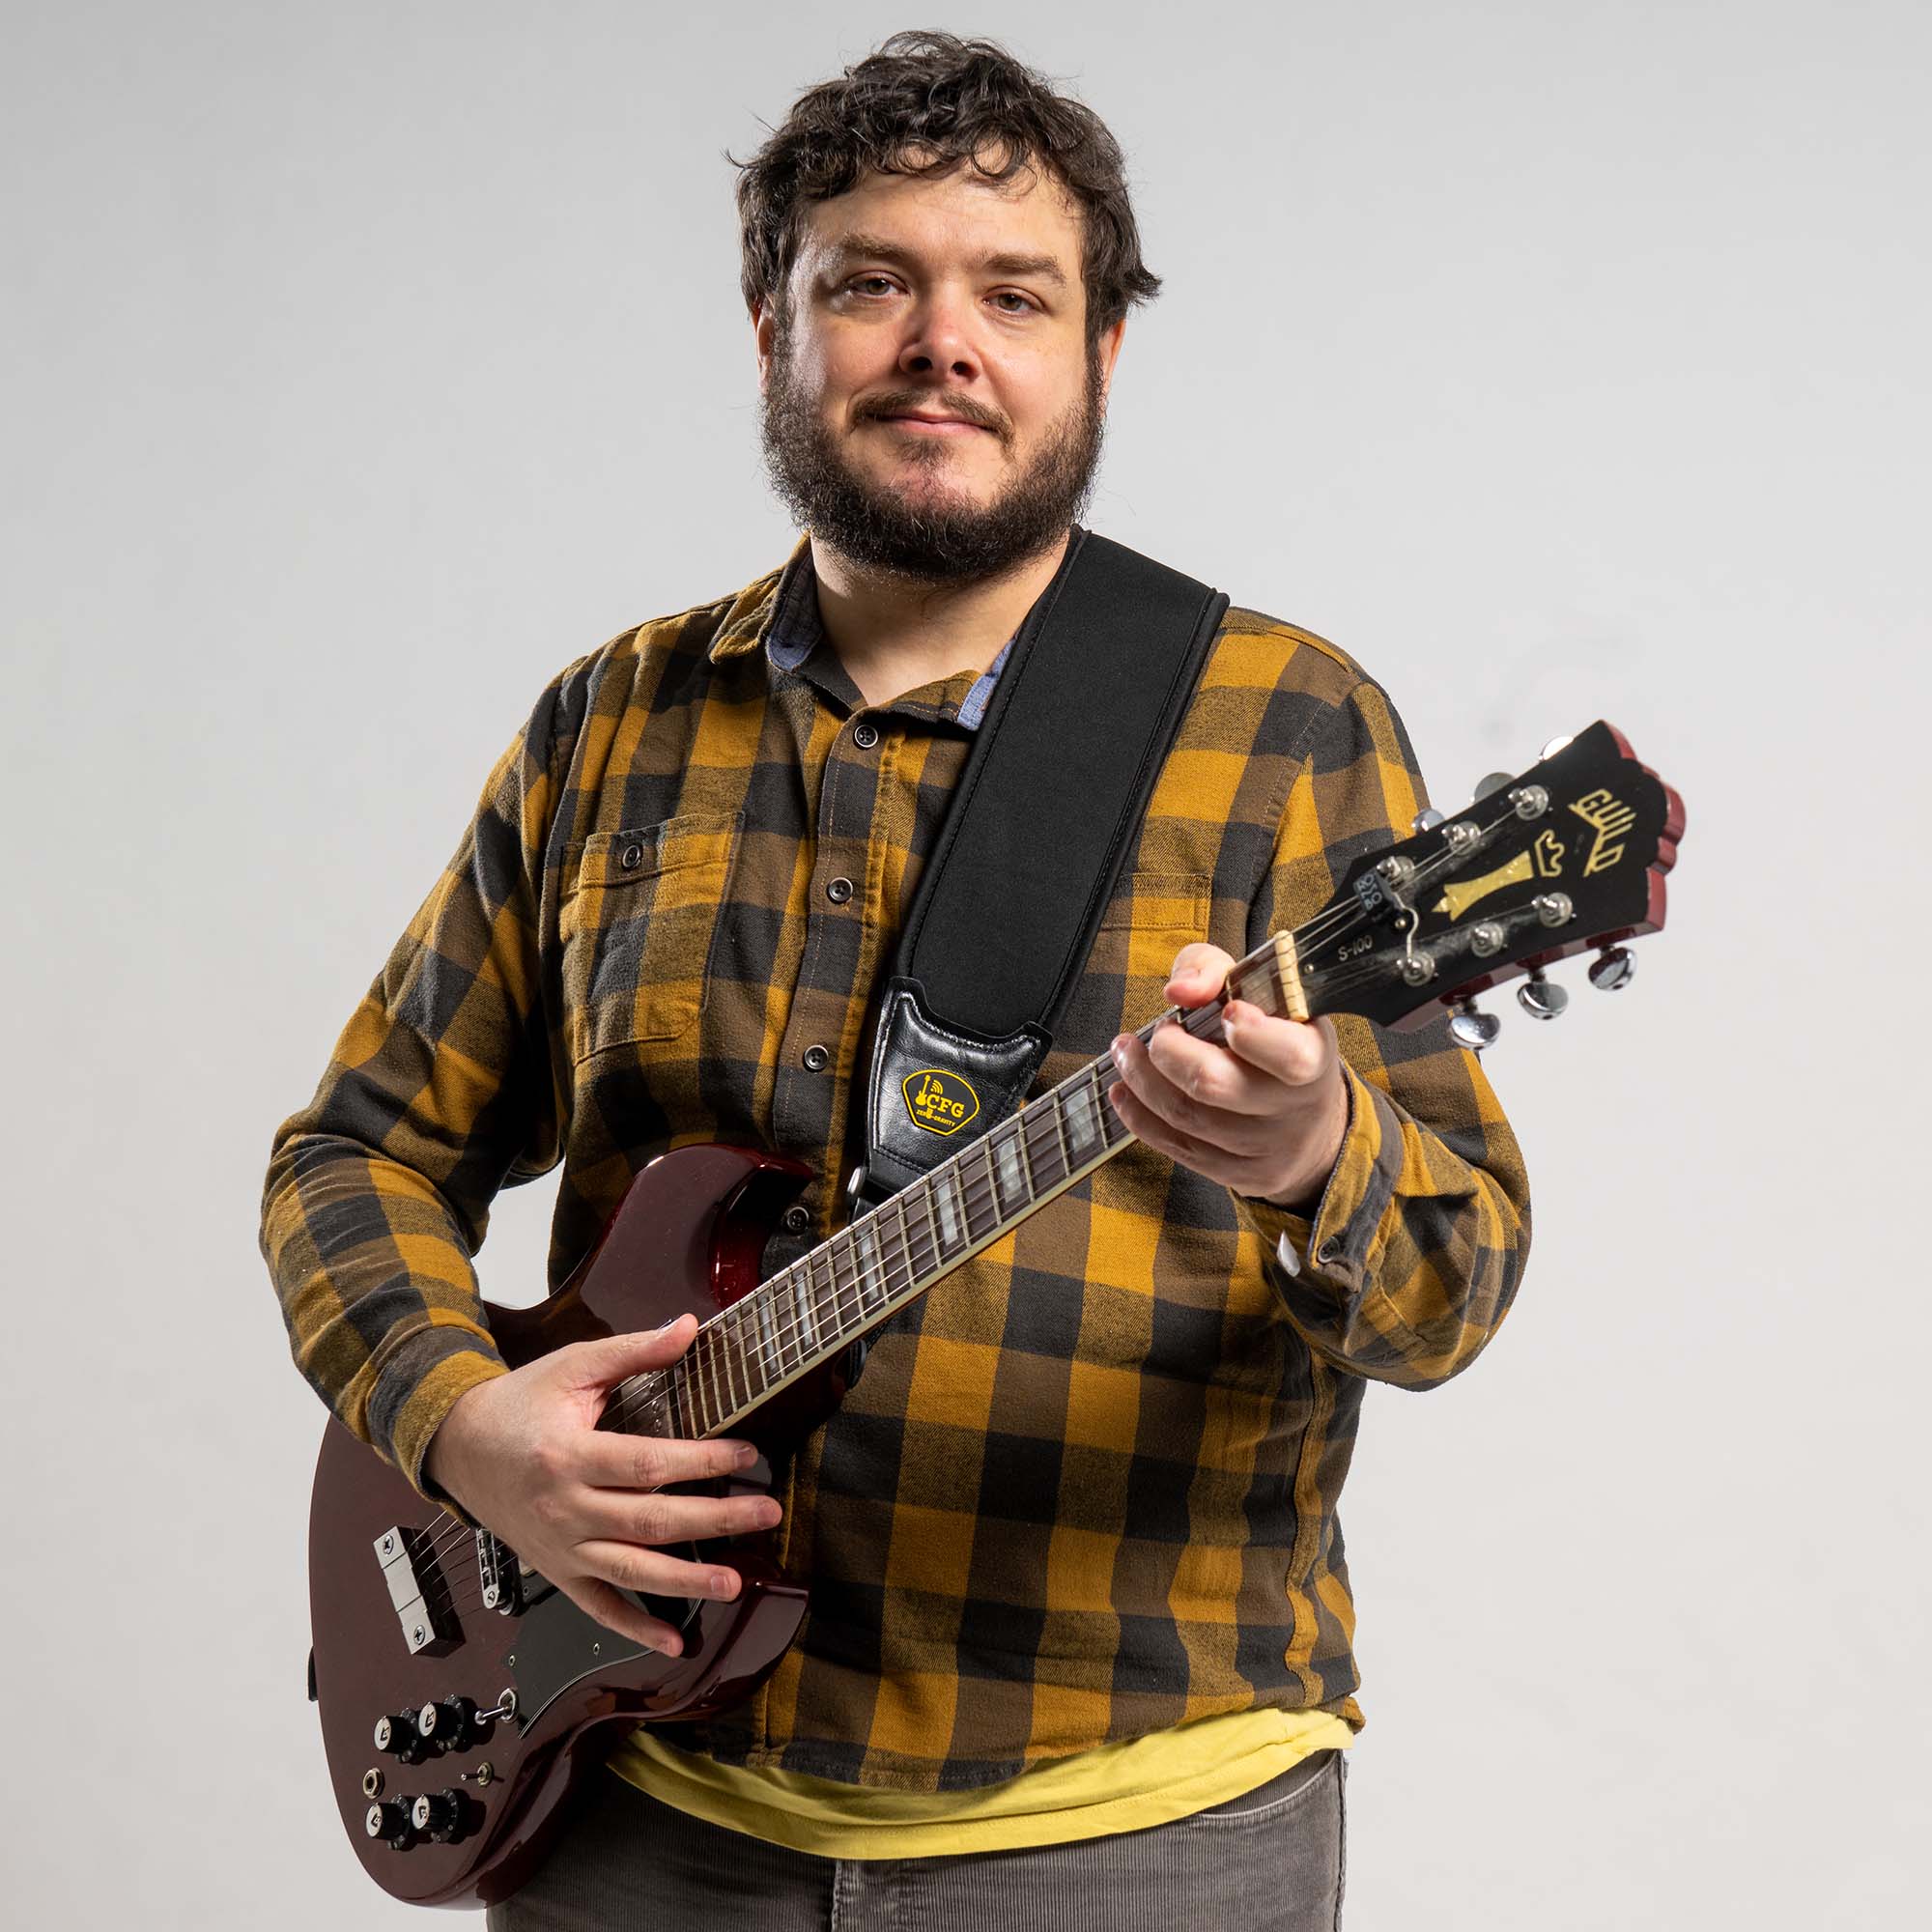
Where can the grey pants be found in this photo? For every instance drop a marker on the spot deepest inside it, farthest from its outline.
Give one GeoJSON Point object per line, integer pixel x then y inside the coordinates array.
{"type": "Point", "coordinates": [1270, 1861]}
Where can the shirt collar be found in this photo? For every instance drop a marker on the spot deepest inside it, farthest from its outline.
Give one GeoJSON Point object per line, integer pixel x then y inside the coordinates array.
{"type": "Point", "coordinates": [783, 614]}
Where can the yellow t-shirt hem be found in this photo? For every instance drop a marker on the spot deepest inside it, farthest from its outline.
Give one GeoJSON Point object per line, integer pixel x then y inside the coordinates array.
{"type": "Point", "coordinates": [1118, 1787]}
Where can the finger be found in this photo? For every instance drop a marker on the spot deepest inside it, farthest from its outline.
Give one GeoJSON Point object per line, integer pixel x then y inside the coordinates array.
{"type": "Point", "coordinates": [1208, 1075]}
{"type": "Point", "coordinates": [622, 1516]}
{"type": "Point", "coordinates": [1216, 1163]}
{"type": "Point", "coordinates": [1296, 1052]}
{"type": "Point", "coordinates": [611, 1357]}
{"type": "Point", "coordinates": [606, 1458]}
{"type": "Point", "coordinates": [614, 1611]}
{"type": "Point", "coordinates": [1244, 1131]}
{"type": "Point", "coordinates": [1199, 972]}
{"type": "Point", "coordinates": [655, 1573]}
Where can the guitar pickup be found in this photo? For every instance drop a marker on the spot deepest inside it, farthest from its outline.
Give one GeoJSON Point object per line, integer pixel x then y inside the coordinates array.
{"type": "Point", "coordinates": [498, 1569]}
{"type": "Point", "coordinates": [421, 1603]}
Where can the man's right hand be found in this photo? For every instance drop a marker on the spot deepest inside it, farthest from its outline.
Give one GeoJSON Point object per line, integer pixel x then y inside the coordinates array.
{"type": "Point", "coordinates": [524, 1455]}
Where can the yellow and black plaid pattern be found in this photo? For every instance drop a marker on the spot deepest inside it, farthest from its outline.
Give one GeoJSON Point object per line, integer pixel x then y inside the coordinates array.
{"type": "Point", "coordinates": [1086, 1488]}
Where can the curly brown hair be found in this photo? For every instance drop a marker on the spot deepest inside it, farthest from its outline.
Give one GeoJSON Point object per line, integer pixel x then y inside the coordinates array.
{"type": "Point", "coordinates": [926, 103]}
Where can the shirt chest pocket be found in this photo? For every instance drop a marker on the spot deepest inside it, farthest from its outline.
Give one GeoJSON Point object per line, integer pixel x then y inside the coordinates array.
{"type": "Point", "coordinates": [1152, 916]}
{"type": "Point", "coordinates": [638, 929]}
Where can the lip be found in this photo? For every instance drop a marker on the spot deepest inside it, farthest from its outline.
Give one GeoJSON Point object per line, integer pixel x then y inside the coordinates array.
{"type": "Point", "coordinates": [933, 425]}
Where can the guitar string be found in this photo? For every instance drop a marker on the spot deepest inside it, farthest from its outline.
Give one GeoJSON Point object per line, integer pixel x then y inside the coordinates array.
{"type": "Point", "coordinates": [773, 1338]}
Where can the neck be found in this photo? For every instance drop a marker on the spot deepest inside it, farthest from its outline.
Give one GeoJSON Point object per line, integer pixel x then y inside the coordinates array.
{"type": "Point", "coordinates": [894, 634]}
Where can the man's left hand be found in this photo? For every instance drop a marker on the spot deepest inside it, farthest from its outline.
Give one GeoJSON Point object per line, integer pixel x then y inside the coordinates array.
{"type": "Point", "coordinates": [1264, 1115]}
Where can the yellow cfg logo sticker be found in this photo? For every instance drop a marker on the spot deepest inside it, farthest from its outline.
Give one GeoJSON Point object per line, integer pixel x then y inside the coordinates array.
{"type": "Point", "coordinates": [942, 1103]}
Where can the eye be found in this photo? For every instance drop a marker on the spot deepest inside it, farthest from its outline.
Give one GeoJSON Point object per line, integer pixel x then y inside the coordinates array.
{"type": "Point", "coordinates": [868, 284]}
{"type": "Point", "coordinates": [1027, 304]}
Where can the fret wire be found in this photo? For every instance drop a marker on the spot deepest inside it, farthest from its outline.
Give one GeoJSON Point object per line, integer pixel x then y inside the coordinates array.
{"type": "Point", "coordinates": [1057, 1108]}
{"type": "Point", "coordinates": [722, 1404]}
{"type": "Point", "coordinates": [905, 1240]}
{"type": "Point", "coordinates": [680, 1401]}
{"type": "Point", "coordinates": [730, 1346]}
{"type": "Point", "coordinates": [924, 1189]}
{"type": "Point", "coordinates": [992, 1189]}
{"type": "Point", "coordinates": [805, 1317]}
{"type": "Point", "coordinates": [1109, 1119]}
{"type": "Point", "coordinates": [840, 1247]}
{"type": "Point", "coordinates": [1040, 1161]}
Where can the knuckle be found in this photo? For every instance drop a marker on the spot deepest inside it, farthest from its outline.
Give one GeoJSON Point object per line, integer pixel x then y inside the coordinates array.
{"type": "Point", "coordinates": [651, 1467]}
{"type": "Point", "coordinates": [653, 1522]}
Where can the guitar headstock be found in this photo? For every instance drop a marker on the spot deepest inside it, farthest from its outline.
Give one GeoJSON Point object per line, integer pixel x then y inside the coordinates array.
{"type": "Point", "coordinates": [1569, 856]}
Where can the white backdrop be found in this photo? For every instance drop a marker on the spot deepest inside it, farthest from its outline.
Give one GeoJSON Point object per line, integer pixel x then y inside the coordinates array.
{"type": "Point", "coordinates": [364, 364]}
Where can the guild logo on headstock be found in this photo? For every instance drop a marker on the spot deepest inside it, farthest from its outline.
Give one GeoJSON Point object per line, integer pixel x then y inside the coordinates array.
{"type": "Point", "coordinates": [1610, 819]}
{"type": "Point", "coordinates": [942, 1103]}
{"type": "Point", "coordinates": [1544, 859]}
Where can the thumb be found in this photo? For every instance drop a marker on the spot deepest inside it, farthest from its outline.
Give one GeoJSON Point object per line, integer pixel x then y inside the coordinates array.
{"type": "Point", "coordinates": [610, 1358]}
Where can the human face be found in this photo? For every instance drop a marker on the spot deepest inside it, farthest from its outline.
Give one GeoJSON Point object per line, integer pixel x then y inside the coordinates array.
{"type": "Point", "coordinates": [932, 405]}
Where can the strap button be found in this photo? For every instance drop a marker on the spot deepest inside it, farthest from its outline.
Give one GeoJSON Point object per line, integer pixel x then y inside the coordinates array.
{"type": "Point", "coordinates": [816, 1060]}
{"type": "Point", "coordinates": [864, 734]}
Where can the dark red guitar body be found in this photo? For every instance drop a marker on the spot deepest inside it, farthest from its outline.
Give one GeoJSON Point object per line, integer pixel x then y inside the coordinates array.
{"type": "Point", "coordinates": [688, 1235]}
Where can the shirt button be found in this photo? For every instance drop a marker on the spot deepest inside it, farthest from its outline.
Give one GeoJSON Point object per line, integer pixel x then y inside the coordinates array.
{"type": "Point", "coordinates": [839, 891]}
{"type": "Point", "coordinates": [797, 1220]}
{"type": "Point", "coordinates": [1329, 1251]}
{"type": "Point", "coordinates": [630, 857]}
{"type": "Point", "coordinates": [864, 735]}
{"type": "Point", "coordinates": [816, 1060]}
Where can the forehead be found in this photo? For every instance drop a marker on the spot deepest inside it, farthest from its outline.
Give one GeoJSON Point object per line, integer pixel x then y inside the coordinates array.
{"type": "Point", "coordinates": [960, 216]}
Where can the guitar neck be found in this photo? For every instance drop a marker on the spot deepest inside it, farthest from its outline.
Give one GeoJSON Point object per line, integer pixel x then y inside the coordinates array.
{"type": "Point", "coordinates": [806, 1313]}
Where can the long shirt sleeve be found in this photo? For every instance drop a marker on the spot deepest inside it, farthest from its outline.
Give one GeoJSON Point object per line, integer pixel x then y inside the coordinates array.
{"type": "Point", "coordinates": [377, 1192]}
{"type": "Point", "coordinates": [1413, 1254]}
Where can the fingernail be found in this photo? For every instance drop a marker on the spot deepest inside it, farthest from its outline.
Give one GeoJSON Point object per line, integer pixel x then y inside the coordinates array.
{"type": "Point", "coordinates": [724, 1583]}
{"type": "Point", "coordinates": [769, 1514]}
{"type": "Point", "coordinates": [744, 1456]}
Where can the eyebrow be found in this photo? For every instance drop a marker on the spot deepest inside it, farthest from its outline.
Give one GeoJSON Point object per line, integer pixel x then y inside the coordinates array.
{"type": "Point", "coordinates": [850, 247]}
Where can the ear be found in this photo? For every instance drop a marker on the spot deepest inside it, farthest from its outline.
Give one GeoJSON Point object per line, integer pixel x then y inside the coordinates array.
{"type": "Point", "coordinates": [764, 326]}
{"type": "Point", "coordinates": [1109, 346]}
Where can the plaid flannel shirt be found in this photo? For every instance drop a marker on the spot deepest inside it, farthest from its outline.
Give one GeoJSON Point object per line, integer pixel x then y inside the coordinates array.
{"type": "Point", "coordinates": [1086, 1487]}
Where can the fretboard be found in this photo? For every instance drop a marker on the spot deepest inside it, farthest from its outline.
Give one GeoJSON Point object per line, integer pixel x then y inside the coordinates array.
{"type": "Point", "coordinates": [804, 1314]}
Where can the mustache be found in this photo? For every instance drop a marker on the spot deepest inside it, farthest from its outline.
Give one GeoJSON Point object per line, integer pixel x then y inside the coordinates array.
{"type": "Point", "coordinates": [912, 402]}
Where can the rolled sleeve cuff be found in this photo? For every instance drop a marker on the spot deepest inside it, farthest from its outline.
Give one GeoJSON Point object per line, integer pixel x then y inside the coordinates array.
{"type": "Point", "coordinates": [420, 1384]}
{"type": "Point", "coordinates": [1338, 1244]}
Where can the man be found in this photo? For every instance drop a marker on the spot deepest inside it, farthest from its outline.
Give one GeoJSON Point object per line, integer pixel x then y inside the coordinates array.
{"type": "Point", "coordinates": [1079, 1640]}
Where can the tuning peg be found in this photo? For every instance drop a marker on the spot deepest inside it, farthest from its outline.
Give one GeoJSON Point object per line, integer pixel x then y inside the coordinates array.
{"type": "Point", "coordinates": [1471, 1027]}
{"type": "Point", "coordinates": [1555, 745]}
{"type": "Point", "coordinates": [1541, 998]}
{"type": "Point", "coordinates": [1496, 781]}
{"type": "Point", "coordinates": [1612, 969]}
{"type": "Point", "coordinates": [1426, 820]}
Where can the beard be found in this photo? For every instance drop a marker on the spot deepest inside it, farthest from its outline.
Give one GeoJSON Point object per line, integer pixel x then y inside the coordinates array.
{"type": "Point", "coordinates": [929, 537]}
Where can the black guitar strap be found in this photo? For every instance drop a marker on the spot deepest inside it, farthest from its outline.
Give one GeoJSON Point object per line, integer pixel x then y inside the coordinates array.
{"type": "Point", "coordinates": [1050, 802]}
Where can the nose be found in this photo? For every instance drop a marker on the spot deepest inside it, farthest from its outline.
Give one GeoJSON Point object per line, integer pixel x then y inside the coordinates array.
{"type": "Point", "coordinates": [940, 339]}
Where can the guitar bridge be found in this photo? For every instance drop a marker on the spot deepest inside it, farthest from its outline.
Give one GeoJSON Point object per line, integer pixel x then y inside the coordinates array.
{"type": "Point", "coordinates": [500, 1575]}
{"type": "Point", "coordinates": [421, 1603]}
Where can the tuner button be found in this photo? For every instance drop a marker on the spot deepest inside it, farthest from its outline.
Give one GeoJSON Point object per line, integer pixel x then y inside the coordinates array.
{"type": "Point", "coordinates": [1494, 783]}
{"type": "Point", "coordinates": [1541, 998]}
{"type": "Point", "coordinates": [1426, 820]}
{"type": "Point", "coordinates": [1612, 970]}
{"type": "Point", "coordinates": [1555, 745]}
{"type": "Point", "coordinates": [1471, 1027]}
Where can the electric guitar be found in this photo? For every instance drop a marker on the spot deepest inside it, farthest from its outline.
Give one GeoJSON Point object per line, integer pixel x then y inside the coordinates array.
{"type": "Point", "coordinates": [460, 1693]}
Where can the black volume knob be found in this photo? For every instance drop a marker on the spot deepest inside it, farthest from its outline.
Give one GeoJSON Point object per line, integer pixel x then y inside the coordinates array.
{"type": "Point", "coordinates": [440, 1813]}
{"type": "Point", "coordinates": [400, 1738]}
{"type": "Point", "coordinates": [451, 1725]}
{"type": "Point", "coordinates": [390, 1820]}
